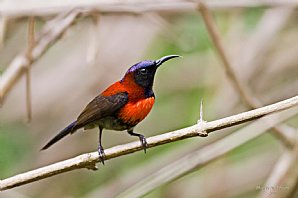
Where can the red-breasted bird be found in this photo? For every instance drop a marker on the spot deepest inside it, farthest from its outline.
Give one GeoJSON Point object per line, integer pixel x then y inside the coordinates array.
{"type": "Point", "coordinates": [121, 106]}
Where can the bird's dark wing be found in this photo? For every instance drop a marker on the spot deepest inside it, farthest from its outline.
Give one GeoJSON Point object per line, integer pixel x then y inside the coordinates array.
{"type": "Point", "coordinates": [100, 107]}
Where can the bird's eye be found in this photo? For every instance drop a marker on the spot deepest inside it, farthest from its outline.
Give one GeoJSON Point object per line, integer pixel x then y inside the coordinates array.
{"type": "Point", "coordinates": [143, 71]}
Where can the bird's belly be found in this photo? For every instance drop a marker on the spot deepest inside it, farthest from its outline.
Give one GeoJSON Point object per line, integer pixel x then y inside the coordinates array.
{"type": "Point", "coordinates": [134, 112]}
{"type": "Point", "coordinates": [109, 122]}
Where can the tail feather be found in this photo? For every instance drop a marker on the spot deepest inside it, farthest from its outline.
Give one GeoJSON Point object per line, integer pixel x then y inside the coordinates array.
{"type": "Point", "coordinates": [69, 129]}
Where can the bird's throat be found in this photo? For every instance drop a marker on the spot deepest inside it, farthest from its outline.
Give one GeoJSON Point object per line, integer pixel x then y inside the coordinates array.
{"type": "Point", "coordinates": [137, 90]}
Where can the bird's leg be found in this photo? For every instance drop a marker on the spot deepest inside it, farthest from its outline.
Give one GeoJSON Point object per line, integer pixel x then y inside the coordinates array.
{"type": "Point", "coordinates": [101, 152]}
{"type": "Point", "coordinates": [141, 137]}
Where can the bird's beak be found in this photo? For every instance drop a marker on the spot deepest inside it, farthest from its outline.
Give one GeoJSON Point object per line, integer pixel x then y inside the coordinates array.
{"type": "Point", "coordinates": [164, 59]}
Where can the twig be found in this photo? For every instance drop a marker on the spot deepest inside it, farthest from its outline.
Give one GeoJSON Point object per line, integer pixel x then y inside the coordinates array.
{"type": "Point", "coordinates": [85, 160]}
{"type": "Point", "coordinates": [214, 34]}
{"type": "Point", "coordinates": [52, 31]}
{"type": "Point", "coordinates": [245, 93]}
{"type": "Point", "coordinates": [203, 156]}
{"type": "Point", "coordinates": [132, 6]}
{"type": "Point", "coordinates": [31, 42]}
{"type": "Point", "coordinates": [3, 29]}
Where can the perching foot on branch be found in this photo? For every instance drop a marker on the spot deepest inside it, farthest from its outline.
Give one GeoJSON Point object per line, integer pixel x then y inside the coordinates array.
{"type": "Point", "coordinates": [141, 137]}
{"type": "Point", "coordinates": [101, 154]}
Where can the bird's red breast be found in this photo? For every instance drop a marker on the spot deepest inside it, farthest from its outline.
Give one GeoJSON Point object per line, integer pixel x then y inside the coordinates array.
{"type": "Point", "coordinates": [134, 112]}
{"type": "Point", "coordinates": [138, 105]}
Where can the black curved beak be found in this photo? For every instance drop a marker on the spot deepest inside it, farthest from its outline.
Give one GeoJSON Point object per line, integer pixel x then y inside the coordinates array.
{"type": "Point", "coordinates": [164, 59]}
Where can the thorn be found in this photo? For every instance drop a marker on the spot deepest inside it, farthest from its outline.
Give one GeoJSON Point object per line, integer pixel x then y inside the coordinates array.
{"type": "Point", "coordinates": [201, 121]}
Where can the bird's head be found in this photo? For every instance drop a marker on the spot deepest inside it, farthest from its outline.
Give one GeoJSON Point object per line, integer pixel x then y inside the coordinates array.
{"type": "Point", "coordinates": [144, 71]}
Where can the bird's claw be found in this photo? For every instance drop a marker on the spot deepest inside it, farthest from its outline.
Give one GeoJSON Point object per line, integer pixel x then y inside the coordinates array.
{"type": "Point", "coordinates": [143, 142]}
{"type": "Point", "coordinates": [101, 154]}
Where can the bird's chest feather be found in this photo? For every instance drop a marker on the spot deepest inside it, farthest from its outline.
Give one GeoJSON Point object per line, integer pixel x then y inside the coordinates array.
{"type": "Point", "coordinates": [135, 111]}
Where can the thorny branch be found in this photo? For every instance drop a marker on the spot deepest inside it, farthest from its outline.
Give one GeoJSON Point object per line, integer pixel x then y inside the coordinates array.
{"type": "Point", "coordinates": [90, 159]}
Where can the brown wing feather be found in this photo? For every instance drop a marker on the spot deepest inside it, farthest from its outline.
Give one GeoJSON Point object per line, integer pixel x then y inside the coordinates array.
{"type": "Point", "coordinates": [100, 107]}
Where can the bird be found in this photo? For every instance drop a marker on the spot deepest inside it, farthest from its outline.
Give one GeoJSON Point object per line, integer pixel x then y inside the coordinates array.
{"type": "Point", "coordinates": [121, 106]}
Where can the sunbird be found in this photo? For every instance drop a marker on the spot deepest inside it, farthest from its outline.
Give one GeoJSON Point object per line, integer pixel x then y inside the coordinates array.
{"type": "Point", "coordinates": [121, 106]}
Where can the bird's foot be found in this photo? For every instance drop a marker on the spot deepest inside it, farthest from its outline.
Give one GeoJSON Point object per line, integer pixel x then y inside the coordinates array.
{"type": "Point", "coordinates": [101, 154]}
{"type": "Point", "coordinates": [143, 142]}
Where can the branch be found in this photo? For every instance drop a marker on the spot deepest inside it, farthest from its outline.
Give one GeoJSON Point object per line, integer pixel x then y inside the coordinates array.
{"type": "Point", "coordinates": [89, 159]}
{"type": "Point", "coordinates": [52, 31]}
{"type": "Point", "coordinates": [246, 95]}
{"type": "Point", "coordinates": [132, 6]}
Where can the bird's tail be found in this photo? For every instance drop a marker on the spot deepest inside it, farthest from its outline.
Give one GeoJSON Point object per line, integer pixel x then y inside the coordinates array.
{"type": "Point", "coordinates": [69, 129]}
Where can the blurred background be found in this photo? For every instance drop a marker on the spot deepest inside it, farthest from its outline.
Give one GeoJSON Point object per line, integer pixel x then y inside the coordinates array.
{"type": "Point", "coordinates": [260, 40]}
